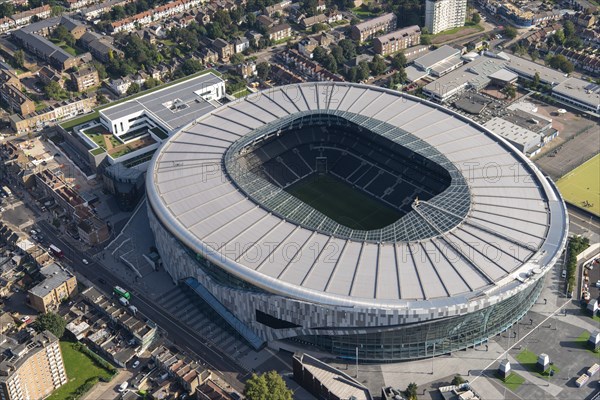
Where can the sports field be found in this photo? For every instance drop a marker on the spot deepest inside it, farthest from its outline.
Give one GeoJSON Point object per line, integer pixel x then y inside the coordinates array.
{"type": "Point", "coordinates": [581, 186]}
{"type": "Point", "coordinates": [343, 203]}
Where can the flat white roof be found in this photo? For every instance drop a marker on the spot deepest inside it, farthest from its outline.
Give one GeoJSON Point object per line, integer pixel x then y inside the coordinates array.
{"type": "Point", "coordinates": [185, 92]}
{"type": "Point", "coordinates": [580, 90]}
{"type": "Point", "coordinates": [512, 132]}
{"type": "Point", "coordinates": [529, 68]}
{"type": "Point", "coordinates": [437, 56]}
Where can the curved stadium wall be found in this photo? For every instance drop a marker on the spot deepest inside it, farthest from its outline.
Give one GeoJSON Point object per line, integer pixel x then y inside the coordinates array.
{"type": "Point", "coordinates": [463, 260]}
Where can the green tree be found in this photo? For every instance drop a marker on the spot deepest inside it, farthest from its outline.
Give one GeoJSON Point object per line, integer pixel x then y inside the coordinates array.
{"type": "Point", "coordinates": [51, 322]}
{"type": "Point", "coordinates": [267, 386]}
{"type": "Point", "coordinates": [54, 91]}
{"type": "Point", "coordinates": [363, 71]}
{"type": "Point", "coordinates": [535, 55]}
{"type": "Point", "coordinates": [19, 57]}
{"type": "Point", "coordinates": [262, 70]}
{"type": "Point", "coordinates": [348, 48]}
{"type": "Point", "coordinates": [569, 29]}
{"type": "Point", "coordinates": [237, 58]}
{"type": "Point", "coordinates": [510, 32]}
{"type": "Point", "coordinates": [150, 83]}
{"type": "Point", "coordinates": [6, 9]}
{"type": "Point", "coordinates": [559, 37]}
{"type": "Point", "coordinates": [133, 89]}
{"type": "Point", "coordinates": [426, 40]}
{"type": "Point", "coordinates": [458, 380]}
{"type": "Point", "coordinates": [536, 80]}
{"type": "Point", "coordinates": [101, 99]}
{"type": "Point", "coordinates": [476, 18]}
{"type": "Point", "coordinates": [399, 60]}
{"type": "Point", "coordinates": [318, 27]}
{"type": "Point", "coordinates": [510, 91]}
{"type": "Point", "coordinates": [411, 391]}
{"type": "Point", "coordinates": [377, 66]}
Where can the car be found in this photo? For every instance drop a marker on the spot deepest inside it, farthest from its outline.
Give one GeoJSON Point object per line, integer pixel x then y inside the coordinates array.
{"type": "Point", "coordinates": [564, 273]}
{"type": "Point", "coordinates": [86, 262]}
{"type": "Point", "coordinates": [33, 232]}
{"type": "Point", "coordinates": [25, 319]}
{"type": "Point", "coordinates": [2, 209]}
{"type": "Point", "coordinates": [102, 281]}
{"type": "Point", "coordinates": [136, 364]}
{"type": "Point", "coordinates": [598, 284]}
{"type": "Point", "coordinates": [123, 386]}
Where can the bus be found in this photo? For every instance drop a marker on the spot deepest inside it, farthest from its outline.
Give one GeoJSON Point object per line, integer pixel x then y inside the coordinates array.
{"type": "Point", "coordinates": [56, 251]}
{"type": "Point", "coordinates": [119, 291]}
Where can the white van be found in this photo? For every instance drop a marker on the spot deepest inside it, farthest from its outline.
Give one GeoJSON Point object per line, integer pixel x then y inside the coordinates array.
{"type": "Point", "coordinates": [123, 386]}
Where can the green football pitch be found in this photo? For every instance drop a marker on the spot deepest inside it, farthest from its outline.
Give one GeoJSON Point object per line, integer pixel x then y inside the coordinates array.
{"type": "Point", "coordinates": [343, 203]}
{"type": "Point", "coordinates": [581, 186]}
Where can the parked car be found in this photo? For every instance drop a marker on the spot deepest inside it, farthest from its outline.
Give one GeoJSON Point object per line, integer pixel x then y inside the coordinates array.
{"type": "Point", "coordinates": [598, 284]}
{"type": "Point", "coordinates": [564, 273]}
{"type": "Point", "coordinates": [136, 364]}
{"type": "Point", "coordinates": [123, 386]}
{"type": "Point", "coordinates": [86, 262]}
{"type": "Point", "coordinates": [25, 319]}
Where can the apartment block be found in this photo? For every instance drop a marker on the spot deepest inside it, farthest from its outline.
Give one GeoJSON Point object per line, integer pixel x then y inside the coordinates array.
{"type": "Point", "coordinates": [397, 40]}
{"type": "Point", "coordinates": [441, 15]}
{"type": "Point", "coordinates": [58, 285]}
{"type": "Point", "coordinates": [85, 78]}
{"type": "Point", "coordinates": [368, 29]}
{"type": "Point", "coordinates": [32, 369]}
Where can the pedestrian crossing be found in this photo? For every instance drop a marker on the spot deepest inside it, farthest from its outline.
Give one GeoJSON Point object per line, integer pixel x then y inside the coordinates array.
{"type": "Point", "coordinates": [198, 318]}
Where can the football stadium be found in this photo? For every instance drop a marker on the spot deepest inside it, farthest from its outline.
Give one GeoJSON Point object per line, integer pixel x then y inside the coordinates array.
{"type": "Point", "coordinates": [352, 219]}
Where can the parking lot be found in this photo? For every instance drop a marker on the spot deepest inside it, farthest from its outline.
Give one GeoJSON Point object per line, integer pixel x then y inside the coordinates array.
{"type": "Point", "coordinates": [578, 141]}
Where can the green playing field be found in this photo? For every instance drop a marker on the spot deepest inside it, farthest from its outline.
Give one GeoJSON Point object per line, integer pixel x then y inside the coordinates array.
{"type": "Point", "coordinates": [581, 186]}
{"type": "Point", "coordinates": [343, 203]}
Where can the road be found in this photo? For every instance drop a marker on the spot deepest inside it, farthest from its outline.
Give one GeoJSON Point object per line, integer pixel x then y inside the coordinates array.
{"type": "Point", "coordinates": [220, 364]}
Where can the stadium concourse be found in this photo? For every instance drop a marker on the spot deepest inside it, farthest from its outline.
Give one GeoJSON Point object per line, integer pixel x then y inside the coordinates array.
{"type": "Point", "coordinates": [353, 218]}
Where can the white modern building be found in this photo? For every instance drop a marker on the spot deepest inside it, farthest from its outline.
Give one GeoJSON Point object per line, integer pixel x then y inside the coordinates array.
{"type": "Point", "coordinates": [578, 93]}
{"type": "Point", "coordinates": [441, 15]}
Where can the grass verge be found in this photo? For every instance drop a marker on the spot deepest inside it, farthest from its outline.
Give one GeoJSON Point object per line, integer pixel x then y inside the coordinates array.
{"type": "Point", "coordinates": [513, 381]}
{"type": "Point", "coordinates": [528, 360]}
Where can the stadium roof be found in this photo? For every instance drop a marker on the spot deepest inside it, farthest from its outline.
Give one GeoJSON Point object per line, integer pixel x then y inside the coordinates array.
{"type": "Point", "coordinates": [187, 93]}
{"type": "Point", "coordinates": [515, 224]}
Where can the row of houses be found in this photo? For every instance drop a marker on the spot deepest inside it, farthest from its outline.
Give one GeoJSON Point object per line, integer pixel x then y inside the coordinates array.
{"type": "Point", "coordinates": [156, 14]}
{"type": "Point", "coordinates": [580, 59]}
{"type": "Point", "coordinates": [24, 18]}
{"type": "Point", "coordinates": [309, 67]}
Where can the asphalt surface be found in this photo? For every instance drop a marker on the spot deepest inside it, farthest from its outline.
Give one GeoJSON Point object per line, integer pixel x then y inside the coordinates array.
{"type": "Point", "coordinates": [179, 335]}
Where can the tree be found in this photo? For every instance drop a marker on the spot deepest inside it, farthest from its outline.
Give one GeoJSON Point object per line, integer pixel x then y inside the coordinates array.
{"type": "Point", "coordinates": [237, 58]}
{"type": "Point", "coordinates": [559, 37]}
{"type": "Point", "coordinates": [458, 380]}
{"type": "Point", "coordinates": [6, 9]}
{"type": "Point", "coordinates": [377, 66]}
{"type": "Point", "coordinates": [318, 27]}
{"type": "Point", "coordinates": [262, 70]}
{"type": "Point", "coordinates": [330, 63]}
{"type": "Point", "coordinates": [54, 91]}
{"type": "Point", "coordinates": [101, 99]}
{"type": "Point", "coordinates": [425, 40]}
{"type": "Point", "coordinates": [569, 29]}
{"type": "Point", "coordinates": [476, 18]}
{"type": "Point", "coordinates": [535, 55]}
{"type": "Point", "coordinates": [363, 71]}
{"type": "Point", "coordinates": [133, 89]}
{"type": "Point", "coordinates": [573, 42]}
{"type": "Point", "coordinates": [399, 60]}
{"type": "Point", "coordinates": [19, 57]}
{"type": "Point", "coordinates": [510, 91]}
{"type": "Point", "coordinates": [51, 322]}
{"type": "Point", "coordinates": [348, 48]}
{"type": "Point", "coordinates": [150, 83]}
{"type": "Point", "coordinates": [536, 79]}
{"type": "Point", "coordinates": [510, 32]}
{"type": "Point", "coordinates": [267, 386]}
{"type": "Point", "coordinates": [411, 391]}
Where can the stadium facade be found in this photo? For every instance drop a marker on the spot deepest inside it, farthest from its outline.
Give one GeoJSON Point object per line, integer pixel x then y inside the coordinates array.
{"type": "Point", "coordinates": [475, 225]}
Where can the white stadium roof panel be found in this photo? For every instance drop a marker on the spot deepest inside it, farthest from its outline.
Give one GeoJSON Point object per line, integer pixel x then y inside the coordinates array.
{"type": "Point", "coordinates": [195, 196]}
